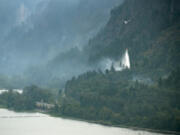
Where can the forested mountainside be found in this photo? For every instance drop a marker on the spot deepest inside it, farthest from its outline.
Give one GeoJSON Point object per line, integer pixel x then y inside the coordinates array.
{"type": "Point", "coordinates": [33, 32]}
{"type": "Point", "coordinates": [110, 99]}
{"type": "Point", "coordinates": [150, 29]}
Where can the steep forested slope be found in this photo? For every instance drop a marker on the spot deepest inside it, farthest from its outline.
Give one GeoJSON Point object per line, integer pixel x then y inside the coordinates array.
{"type": "Point", "coordinates": [148, 28]}
{"type": "Point", "coordinates": [110, 99]}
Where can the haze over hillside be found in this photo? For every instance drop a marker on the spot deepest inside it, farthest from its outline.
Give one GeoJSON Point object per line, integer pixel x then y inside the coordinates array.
{"type": "Point", "coordinates": [50, 41]}
{"type": "Point", "coordinates": [151, 35]}
{"type": "Point", "coordinates": [33, 33]}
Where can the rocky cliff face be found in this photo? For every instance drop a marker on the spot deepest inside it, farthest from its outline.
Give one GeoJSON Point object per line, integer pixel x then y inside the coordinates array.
{"type": "Point", "coordinates": [148, 28]}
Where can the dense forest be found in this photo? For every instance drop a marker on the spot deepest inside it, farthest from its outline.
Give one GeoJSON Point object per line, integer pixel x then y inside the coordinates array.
{"type": "Point", "coordinates": [147, 94]}
{"type": "Point", "coordinates": [110, 99]}
{"type": "Point", "coordinates": [27, 100]}
{"type": "Point", "coordinates": [149, 29]}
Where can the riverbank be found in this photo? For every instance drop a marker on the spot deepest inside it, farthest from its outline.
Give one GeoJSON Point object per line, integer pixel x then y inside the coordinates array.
{"type": "Point", "coordinates": [118, 126]}
{"type": "Point", "coordinates": [33, 124]}
{"type": "Point", "coordinates": [103, 123]}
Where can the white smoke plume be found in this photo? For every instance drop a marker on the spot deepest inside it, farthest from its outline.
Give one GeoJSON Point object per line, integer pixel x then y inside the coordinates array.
{"type": "Point", "coordinates": [119, 65]}
{"type": "Point", "coordinates": [125, 62]}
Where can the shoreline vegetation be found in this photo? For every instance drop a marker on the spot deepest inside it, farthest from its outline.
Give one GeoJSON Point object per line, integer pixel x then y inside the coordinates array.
{"type": "Point", "coordinates": [158, 111]}
{"type": "Point", "coordinates": [120, 103]}
{"type": "Point", "coordinates": [103, 123]}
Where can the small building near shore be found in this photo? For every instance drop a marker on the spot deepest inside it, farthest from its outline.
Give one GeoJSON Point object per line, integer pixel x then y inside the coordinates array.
{"type": "Point", "coordinates": [43, 105]}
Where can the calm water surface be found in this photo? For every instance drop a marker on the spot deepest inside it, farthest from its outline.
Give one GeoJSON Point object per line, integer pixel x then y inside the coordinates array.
{"type": "Point", "coordinates": [12, 123]}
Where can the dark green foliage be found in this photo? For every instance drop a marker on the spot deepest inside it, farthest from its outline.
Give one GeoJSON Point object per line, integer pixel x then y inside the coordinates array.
{"type": "Point", "coordinates": [152, 38]}
{"type": "Point", "coordinates": [27, 100]}
{"type": "Point", "coordinates": [150, 29]}
{"type": "Point", "coordinates": [109, 99]}
{"type": "Point", "coordinates": [16, 101]}
{"type": "Point", "coordinates": [37, 94]}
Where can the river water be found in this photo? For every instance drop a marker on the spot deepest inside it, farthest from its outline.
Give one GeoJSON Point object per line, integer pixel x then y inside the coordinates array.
{"type": "Point", "coordinates": [12, 123]}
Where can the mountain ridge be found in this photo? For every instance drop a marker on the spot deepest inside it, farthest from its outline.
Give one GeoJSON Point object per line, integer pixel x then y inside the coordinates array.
{"type": "Point", "coordinates": [137, 25]}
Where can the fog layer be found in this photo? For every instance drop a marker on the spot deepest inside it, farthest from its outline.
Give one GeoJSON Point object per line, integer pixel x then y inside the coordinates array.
{"type": "Point", "coordinates": [40, 36]}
